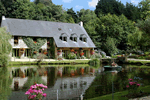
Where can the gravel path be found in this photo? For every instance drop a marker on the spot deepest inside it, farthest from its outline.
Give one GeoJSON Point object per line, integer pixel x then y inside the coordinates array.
{"type": "Point", "coordinates": [142, 98]}
{"type": "Point", "coordinates": [137, 59]}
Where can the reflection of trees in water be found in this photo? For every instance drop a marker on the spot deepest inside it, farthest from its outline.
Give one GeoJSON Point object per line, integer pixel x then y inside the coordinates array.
{"type": "Point", "coordinates": [5, 83]}
{"type": "Point", "coordinates": [103, 83]}
{"type": "Point", "coordinates": [33, 77]}
{"type": "Point", "coordinates": [51, 76]}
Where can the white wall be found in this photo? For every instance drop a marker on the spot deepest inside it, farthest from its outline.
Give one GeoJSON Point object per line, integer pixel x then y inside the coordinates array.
{"type": "Point", "coordinates": [21, 44]}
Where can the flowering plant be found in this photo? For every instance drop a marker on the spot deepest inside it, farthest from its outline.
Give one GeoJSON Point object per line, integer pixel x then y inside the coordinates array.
{"type": "Point", "coordinates": [132, 86]}
{"type": "Point", "coordinates": [92, 52]}
{"type": "Point", "coordinates": [72, 50]}
{"type": "Point", "coordinates": [81, 54]}
{"type": "Point", "coordinates": [75, 52]}
{"type": "Point", "coordinates": [36, 92]}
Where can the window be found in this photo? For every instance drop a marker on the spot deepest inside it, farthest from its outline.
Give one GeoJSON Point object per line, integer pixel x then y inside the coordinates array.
{"type": "Point", "coordinates": [15, 39]}
{"type": "Point", "coordinates": [73, 37]}
{"type": "Point", "coordinates": [60, 37]}
{"type": "Point", "coordinates": [83, 38]}
{"type": "Point", "coordinates": [63, 37]}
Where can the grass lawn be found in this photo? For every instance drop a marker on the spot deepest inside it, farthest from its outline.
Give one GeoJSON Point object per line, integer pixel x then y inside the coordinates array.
{"type": "Point", "coordinates": [118, 95]}
{"type": "Point", "coordinates": [78, 65]}
{"type": "Point", "coordinates": [12, 63]}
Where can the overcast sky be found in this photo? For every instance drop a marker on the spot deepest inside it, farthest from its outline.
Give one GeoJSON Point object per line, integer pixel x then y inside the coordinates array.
{"type": "Point", "coordinates": [86, 4]}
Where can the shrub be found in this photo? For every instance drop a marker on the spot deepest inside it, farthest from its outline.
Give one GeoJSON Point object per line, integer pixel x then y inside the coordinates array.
{"type": "Point", "coordinates": [96, 55]}
{"type": "Point", "coordinates": [72, 56]}
{"type": "Point", "coordinates": [94, 62]}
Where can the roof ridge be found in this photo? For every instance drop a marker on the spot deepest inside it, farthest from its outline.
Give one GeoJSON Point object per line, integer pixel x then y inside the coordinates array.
{"type": "Point", "coordinates": [42, 21]}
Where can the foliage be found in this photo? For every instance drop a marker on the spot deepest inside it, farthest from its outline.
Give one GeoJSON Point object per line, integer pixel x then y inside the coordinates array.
{"type": "Point", "coordinates": [34, 46]}
{"type": "Point", "coordinates": [136, 40]}
{"type": "Point", "coordinates": [36, 91]}
{"type": "Point", "coordinates": [72, 14]}
{"type": "Point", "coordinates": [109, 6]}
{"type": "Point", "coordinates": [145, 9]}
{"type": "Point", "coordinates": [110, 46]}
{"type": "Point", "coordinates": [33, 78]}
{"type": "Point", "coordinates": [132, 86]}
{"type": "Point", "coordinates": [94, 62]}
{"type": "Point", "coordinates": [132, 12]}
{"type": "Point", "coordinates": [96, 55]}
{"type": "Point", "coordinates": [6, 82]}
{"type": "Point", "coordinates": [4, 60]}
{"type": "Point", "coordinates": [114, 27]}
{"type": "Point", "coordinates": [72, 56]}
{"type": "Point", "coordinates": [52, 48]}
{"type": "Point", "coordinates": [5, 47]}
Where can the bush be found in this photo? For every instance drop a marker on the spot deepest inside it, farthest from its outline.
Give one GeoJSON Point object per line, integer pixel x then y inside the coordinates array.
{"type": "Point", "coordinates": [94, 62]}
{"type": "Point", "coordinates": [96, 55]}
{"type": "Point", "coordinates": [4, 60]}
{"type": "Point", "coordinates": [72, 56]}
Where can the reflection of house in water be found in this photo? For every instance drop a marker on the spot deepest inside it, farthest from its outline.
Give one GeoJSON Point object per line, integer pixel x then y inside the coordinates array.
{"type": "Point", "coordinates": [69, 82]}
{"type": "Point", "coordinates": [20, 76]}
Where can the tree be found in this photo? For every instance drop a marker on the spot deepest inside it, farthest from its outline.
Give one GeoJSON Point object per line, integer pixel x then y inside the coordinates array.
{"type": "Point", "coordinates": [132, 12]}
{"type": "Point", "coordinates": [5, 47]}
{"type": "Point", "coordinates": [144, 27]}
{"type": "Point", "coordinates": [136, 40]}
{"type": "Point", "coordinates": [109, 6]}
{"type": "Point", "coordinates": [45, 2]}
{"type": "Point", "coordinates": [72, 13]}
{"type": "Point", "coordinates": [2, 10]}
{"type": "Point", "coordinates": [110, 46]}
{"type": "Point", "coordinates": [114, 27]}
{"type": "Point", "coordinates": [145, 8]}
{"type": "Point", "coordinates": [23, 9]}
{"type": "Point", "coordinates": [89, 19]}
{"type": "Point", "coordinates": [6, 82]}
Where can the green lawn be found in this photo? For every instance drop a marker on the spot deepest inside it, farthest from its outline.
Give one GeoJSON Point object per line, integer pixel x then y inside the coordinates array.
{"type": "Point", "coordinates": [12, 63]}
{"type": "Point", "coordinates": [118, 95]}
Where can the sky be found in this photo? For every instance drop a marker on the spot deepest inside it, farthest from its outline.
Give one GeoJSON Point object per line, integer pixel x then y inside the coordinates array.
{"type": "Point", "coordinates": [86, 4]}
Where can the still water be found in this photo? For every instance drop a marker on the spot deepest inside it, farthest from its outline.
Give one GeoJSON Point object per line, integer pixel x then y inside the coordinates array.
{"type": "Point", "coordinates": [68, 82]}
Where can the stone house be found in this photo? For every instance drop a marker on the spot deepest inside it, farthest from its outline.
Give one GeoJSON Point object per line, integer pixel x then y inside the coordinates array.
{"type": "Point", "coordinates": [64, 36]}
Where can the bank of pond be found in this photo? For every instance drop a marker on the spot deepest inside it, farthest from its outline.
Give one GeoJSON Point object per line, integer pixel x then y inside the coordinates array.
{"type": "Point", "coordinates": [71, 81]}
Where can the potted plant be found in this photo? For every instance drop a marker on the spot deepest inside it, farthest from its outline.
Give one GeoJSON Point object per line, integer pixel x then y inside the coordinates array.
{"type": "Point", "coordinates": [72, 50]}
{"type": "Point", "coordinates": [35, 52]}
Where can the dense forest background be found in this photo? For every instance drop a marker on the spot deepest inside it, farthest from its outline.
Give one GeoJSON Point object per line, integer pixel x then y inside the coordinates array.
{"type": "Point", "coordinates": [113, 26]}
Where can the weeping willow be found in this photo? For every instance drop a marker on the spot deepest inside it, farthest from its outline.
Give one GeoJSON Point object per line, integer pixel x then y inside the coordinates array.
{"type": "Point", "coordinates": [5, 47]}
{"type": "Point", "coordinates": [5, 83]}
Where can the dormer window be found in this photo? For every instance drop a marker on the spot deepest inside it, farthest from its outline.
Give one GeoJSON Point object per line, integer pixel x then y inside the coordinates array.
{"type": "Point", "coordinates": [63, 37]}
{"type": "Point", "coordinates": [16, 39]}
{"type": "Point", "coordinates": [83, 37]}
{"type": "Point", "coordinates": [73, 37]}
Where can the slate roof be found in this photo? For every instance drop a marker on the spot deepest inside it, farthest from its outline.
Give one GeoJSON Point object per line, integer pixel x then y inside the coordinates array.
{"type": "Point", "coordinates": [35, 28]}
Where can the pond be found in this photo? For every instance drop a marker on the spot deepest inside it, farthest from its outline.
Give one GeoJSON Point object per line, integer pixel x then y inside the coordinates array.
{"type": "Point", "coordinates": [67, 82]}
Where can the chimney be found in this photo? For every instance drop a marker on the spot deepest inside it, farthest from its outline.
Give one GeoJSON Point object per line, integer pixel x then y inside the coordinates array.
{"type": "Point", "coordinates": [81, 24]}
{"type": "Point", "coordinates": [3, 18]}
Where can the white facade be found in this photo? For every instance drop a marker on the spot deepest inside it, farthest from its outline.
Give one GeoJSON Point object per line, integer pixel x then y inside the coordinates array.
{"type": "Point", "coordinates": [21, 44]}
